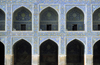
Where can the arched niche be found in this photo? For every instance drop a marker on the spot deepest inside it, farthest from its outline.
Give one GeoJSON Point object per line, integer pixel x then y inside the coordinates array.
{"type": "Point", "coordinates": [22, 53]}
{"type": "Point", "coordinates": [2, 20]}
{"type": "Point", "coordinates": [48, 20]}
{"type": "Point", "coordinates": [96, 53]}
{"type": "Point", "coordinates": [75, 20]}
{"type": "Point", "coordinates": [2, 53]}
{"type": "Point", "coordinates": [96, 20]}
{"type": "Point", "coordinates": [75, 53]}
{"type": "Point", "coordinates": [22, 20]}
{"type": "Point", "coordinates": [48, 53]}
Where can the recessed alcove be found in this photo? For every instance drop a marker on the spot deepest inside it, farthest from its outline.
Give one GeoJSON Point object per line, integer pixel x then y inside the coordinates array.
{"type": "Point", "coordinates": [75, 20]}
{"type": "Point", "coordinates": [22, 53]}
{"type": "Point", "coordinates": [96, 20]}
{"type": "Point", "coordinates": [22, 20]}
{"type": "Point", "coordinates": [48, 53]}
{"type": "Point", "coordinates": [75, 53]}
{"type": "Point", "coordinates": [48, 20]}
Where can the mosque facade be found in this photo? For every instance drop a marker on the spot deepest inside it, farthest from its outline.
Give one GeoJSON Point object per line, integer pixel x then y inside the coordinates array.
{"type": "Point", "coordinates": [49, 32]}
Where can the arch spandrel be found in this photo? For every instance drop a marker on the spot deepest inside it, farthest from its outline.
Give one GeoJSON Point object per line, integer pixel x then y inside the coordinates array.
{"type": "Point", "coordinates": [83, 40]}
{"type": "Point", "coordinates": [94, 8]}
{"type": "Point", "coordinates": [43, 7]}
{"type": "Point", "coordinates": [56, 40]}
{"type": "Point", "coordinates": [3, 8]}
{"type": "Point", "coordinates": [16, 7]}
{"type": "Point", "coordinates": [68, 8]}
{"type": "Point", "coordinates": [3, 40]}
{"type": "Point", "coordinates": [18, 39]}
{"type": "Point", "coordinates": [95, 40]}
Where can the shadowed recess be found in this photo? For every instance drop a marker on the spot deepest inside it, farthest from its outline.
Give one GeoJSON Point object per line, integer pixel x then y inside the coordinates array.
{"type": "Point", "coordinates": [48, 53]}
{"type": "Point", "coordinates": [75, 53]}
{"type": "Point", "coordinates": [96, 53]}
{"type": "Point", "coordinates": [2, 53]}
{"type": "Point", "coordinates": [22, 53]}
{"type": "Point", "coordinates": [2, 20]}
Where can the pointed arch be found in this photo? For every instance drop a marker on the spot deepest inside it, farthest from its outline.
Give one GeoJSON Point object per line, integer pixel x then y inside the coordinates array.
{"type": "Point", "coordinates": [96, 53]}
{"type": "Point", "coordinates": [75, 52]}
{"type": "Point", "coordinates": [96, 10]}
{"type": "Point", "coordinates": [2, 53]}
{"type": "Point", "coordinates": [49, 53]}
{"type": "Point", "coordinates": [49, 19]}
{"type": "Point", "coordinates": [18, 39]}
{"type": "Point", "coordinates": [96, 20]}
{"type": "Point", "coordinates": [76, 8]}
{"type": "Point", "coordinates": [78, 41]}
{"type": "Point", "coordinates": [22, 52]}
{"type": "Point", "coordinates": [47, 8]}
{"type": "Point", "coordinates": [20, 8]}
{"type": "Point", "coordinates": [75, 19]}
{"type": "Point", "coordinates": [22, 19]}
{"type": "Point", "coordinates": [47, 40]}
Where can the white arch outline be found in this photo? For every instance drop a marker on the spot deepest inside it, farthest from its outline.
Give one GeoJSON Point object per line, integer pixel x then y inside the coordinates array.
{"type": "Point", "coordinates": [3, 44]}
{"type": "Point", "coordinates": [83, 17]}
{"type": "Point", "coordinates": [57, 16]}
{"type": "Point", "coordinates": [22, 39]}
{"type": "Point", "coordinates": [22, 7]}
{"type": "Point", "coordinates": [95, 42]}
{"type": "Point", "coordinates": [48, 7]}
{"type": "Point", "coordinates": [77, 8]}
{"type": "Point", "coordinates": [95, 10]}
{"type": "Point", "coordinates": [47, 40]}
{"type": "Point", "coordinates": [76, 39]}
{"type": "Point", "coordinates": [25, 9]}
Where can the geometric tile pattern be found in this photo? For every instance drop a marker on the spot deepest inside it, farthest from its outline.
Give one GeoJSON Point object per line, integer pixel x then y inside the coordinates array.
{"type": "Point", "coordinates": [88, 37]}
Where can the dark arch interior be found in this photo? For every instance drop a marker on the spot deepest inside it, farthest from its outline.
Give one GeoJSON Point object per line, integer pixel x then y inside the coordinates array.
{"type": "Point", "coordinates": [2, 20]}
{"type": "Point", "coordinates": [75, 53]}
{"type": "Point", "coordinates": [22, 53]}
{"type": "Point", "coordinates": [48, 53]}
{"type": "Point", "coordinates": [2, 53]}
{"type": "Point", "coordinates": [96, 53]}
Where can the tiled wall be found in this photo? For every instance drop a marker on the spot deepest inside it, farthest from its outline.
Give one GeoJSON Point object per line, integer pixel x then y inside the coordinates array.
{"type": "Point", "coordinates": [62, 35]}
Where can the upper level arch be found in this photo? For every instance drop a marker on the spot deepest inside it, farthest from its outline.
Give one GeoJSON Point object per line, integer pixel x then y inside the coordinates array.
{"type": "Point", "coordinates": [48, 19]}
{"type": "Point", "coordinates": [20, 6]}
{"type": "Point", "coordinates": [96, 20]}
{"type": "Point", "coordinates": [55, 7]}
{"type": "Point", "coordinates": [75, 20]}
{"type": "Point", "coordinates": [22, 20]}
{"type": "Point", "coordinates": [2, 20]}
